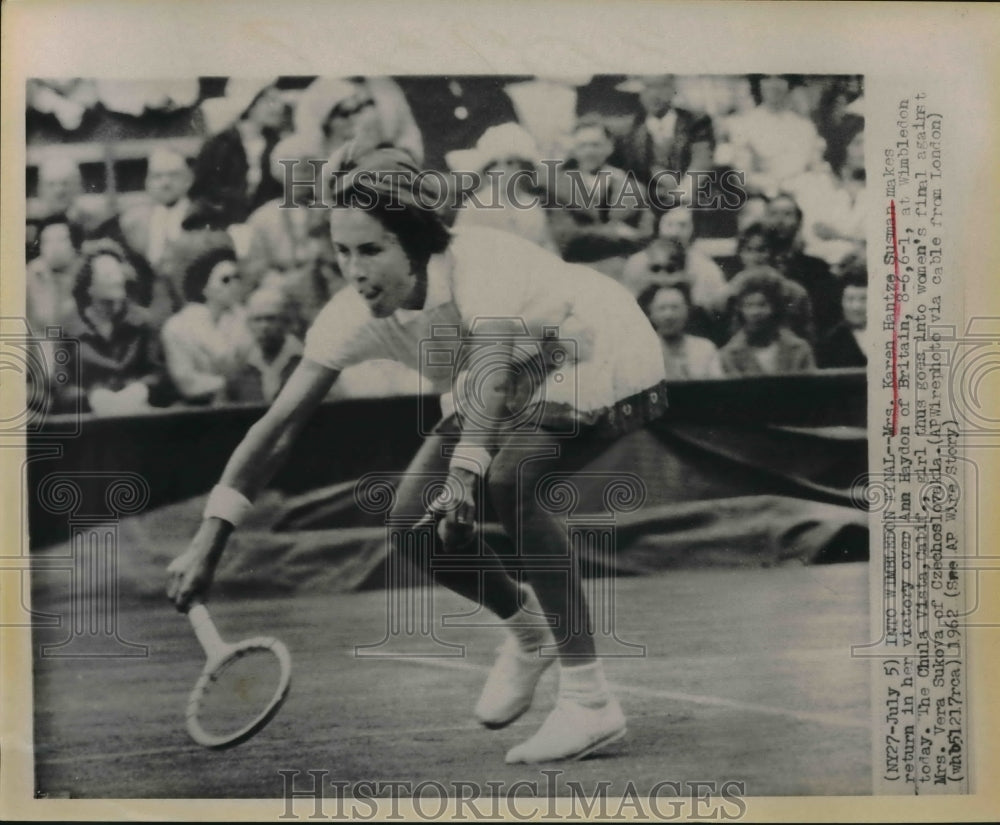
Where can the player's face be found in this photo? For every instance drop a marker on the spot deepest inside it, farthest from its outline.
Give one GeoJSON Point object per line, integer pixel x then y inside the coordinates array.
{"type": "Point", "coordinates": [668, 313]}
{"type": "Point", "coordinates": [855, 305]}
{"type": "Point", "coordinates": [757, 313]}
{"type": "Point", "coordinates": [373, 261]}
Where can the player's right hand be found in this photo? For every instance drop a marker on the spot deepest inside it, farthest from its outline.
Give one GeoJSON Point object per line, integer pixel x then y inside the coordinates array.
{"type": "Point", "coordinates": [190, 574]}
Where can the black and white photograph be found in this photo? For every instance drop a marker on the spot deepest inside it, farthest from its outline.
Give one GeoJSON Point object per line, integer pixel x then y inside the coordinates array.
{"type": "Point", "coordinates": [529, 441]}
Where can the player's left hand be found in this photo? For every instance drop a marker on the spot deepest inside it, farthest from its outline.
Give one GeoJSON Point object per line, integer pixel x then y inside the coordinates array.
{"type": "Point", "coordinates": [458, 506]}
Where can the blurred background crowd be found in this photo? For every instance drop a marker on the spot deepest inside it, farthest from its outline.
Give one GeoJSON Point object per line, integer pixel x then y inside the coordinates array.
{"type": "Point", "coordinates": [160, 240]}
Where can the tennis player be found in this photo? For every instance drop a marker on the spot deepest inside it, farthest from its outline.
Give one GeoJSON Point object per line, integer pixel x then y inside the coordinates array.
{"type": "Point", "coordinates": [572, 365]}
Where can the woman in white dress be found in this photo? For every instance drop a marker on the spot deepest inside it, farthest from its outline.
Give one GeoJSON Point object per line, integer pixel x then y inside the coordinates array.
{"type": "Point", "coordinates": [541, 366]}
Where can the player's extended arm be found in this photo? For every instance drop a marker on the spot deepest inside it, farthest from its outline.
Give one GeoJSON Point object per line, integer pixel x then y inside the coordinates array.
{"type": "Point", "coordinates": [253, 463]}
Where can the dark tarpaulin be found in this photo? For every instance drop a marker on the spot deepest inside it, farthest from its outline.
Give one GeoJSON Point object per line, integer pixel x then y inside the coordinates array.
{"type": "Point", "coordinates": [716, 492]}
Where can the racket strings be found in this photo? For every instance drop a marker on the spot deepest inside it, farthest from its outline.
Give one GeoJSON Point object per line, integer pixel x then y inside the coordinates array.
{"type": "Point", "coordinates": [238, 691]}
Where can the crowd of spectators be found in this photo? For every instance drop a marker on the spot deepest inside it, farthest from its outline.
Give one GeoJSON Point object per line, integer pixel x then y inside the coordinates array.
{"type": "Point", "coordinates": [200, 291]}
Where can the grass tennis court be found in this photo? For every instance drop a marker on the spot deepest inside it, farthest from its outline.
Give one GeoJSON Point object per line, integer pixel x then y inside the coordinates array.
{"type": "Point", "coordinates": [747, 676]}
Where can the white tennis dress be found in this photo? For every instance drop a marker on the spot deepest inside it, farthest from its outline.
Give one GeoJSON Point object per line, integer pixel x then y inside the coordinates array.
{"type": "Point", "coordinates": [593, 354]}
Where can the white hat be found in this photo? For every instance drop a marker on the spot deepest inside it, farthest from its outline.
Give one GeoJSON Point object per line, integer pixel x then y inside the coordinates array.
{"type": "Point", "coordinates": [221, 112]}
{"type": "Point", "coordinates": [317, 101]}
{"type": "Point", "coordinates": [506, 140]}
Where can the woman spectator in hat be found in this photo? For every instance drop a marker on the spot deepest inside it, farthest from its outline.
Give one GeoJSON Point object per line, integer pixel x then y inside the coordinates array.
{"type": "Point", "coordinates": [508, 198]}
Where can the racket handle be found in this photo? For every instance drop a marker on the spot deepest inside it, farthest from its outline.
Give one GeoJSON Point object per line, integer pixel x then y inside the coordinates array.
{"type": "Point", "coordinates": [204, 629]}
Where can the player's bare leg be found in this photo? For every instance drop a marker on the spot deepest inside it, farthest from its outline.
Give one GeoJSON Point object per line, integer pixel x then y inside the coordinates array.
{"type": "Point", "coordinates": [586, 716]}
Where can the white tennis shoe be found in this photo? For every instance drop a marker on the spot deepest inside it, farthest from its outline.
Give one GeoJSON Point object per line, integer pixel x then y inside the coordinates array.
{"type": "Point", "coordinates": [510, 687]}
{"type": "Point", "coordinates": [572, 731]}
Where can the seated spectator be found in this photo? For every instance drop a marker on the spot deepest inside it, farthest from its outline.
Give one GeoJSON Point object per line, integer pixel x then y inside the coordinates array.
{"type": "Point", "coordinates": [310, 285]}
{"type": "Point", "coordinates": [848, 343]}
{"type": "Point", "coordinates": [772, 143]}
{"type": "Point", "coordinates": [50, 278]}
{"type": "Point", "coordinates": [684, 356]}
{"type": "Point", "coordinates": [364, 111]}
{"type": "Point", "coordinates": [60, 187]}
{"type": "Point", "coordinates": [785, 221]}
{"type": "Point", "coordinates": [505, 158]}
{"type": "Point", "coordinates": [708, 285]}
{"type": "Point", "coordinates": [666, 139]}
{"type": "Point", "coordinates": [835, 121]}
{"type": "Point", "coordinates": [797, 308]}
{"type": "Point", "coordinates": [279, 228]}
{"type": "Point", "coordinates": [206, 342]}
{"type": "Point", "coordinates": [275, 352]}
{"type": "Point", "coordinates": [232, 171]}
{"type": "Point", "coordinates": [121, 371]}
{"type": "Point", "coordinates": [179, 255]}
{"type": "Point", "coordinates": [598, 218]}
{"type": "Point", "coordinates": [664, 263]}
{"type": "Point", "coordinates": [763, 345]}
{"type": "Point", "coordinates": [753, 248]}
{"type": "Point", "coordinates": [149, 230]}
{"type": "Point", "coordinates": [833, 201]}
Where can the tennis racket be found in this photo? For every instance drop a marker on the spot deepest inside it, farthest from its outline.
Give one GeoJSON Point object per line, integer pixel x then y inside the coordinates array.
{"type": "Point", "coordinates": [241, 687]}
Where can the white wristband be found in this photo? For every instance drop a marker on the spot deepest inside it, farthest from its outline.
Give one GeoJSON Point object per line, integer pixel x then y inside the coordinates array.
{"type": "Point", "coordinates": [228, 504]}
{"type": "Point", "coordinates": [472, 458]}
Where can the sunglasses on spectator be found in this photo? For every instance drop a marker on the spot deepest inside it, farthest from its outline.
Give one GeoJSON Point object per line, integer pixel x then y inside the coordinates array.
{"type": "Point", "coordinates": [669, 268]}
{"type": "Point", "coordinates": [225, 279]}
{"type": "Point", "coordinates": [350, 111]}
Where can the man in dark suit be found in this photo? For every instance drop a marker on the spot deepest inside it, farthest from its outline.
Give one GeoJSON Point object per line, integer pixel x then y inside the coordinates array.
{"type": "Point", "coordinates": [784, 219]}
{"type": "Point", "coordinates": [668, 139]}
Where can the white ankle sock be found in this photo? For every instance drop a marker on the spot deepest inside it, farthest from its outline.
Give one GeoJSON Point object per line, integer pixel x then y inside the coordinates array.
{"type": "Point", "coordinates": [584, 684]}
{"type": "Point", "coordinates": [530, 630]}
